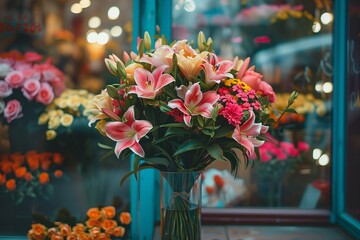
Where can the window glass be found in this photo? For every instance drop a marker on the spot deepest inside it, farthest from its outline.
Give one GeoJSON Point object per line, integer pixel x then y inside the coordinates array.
{"type": "Point", "coordinates": [352, 197]}
{"type": "Point", "coordinates": [290, 44]}
{"type": "Point", "coordinates": [51, 167]}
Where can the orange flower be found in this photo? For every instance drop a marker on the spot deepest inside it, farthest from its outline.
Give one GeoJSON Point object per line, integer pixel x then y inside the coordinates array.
{"type": "Point", "coordinates": [108, 224]}
{"type": "Point", "coordinates": [28, 177]}
{"type": "Point", "coordinates": [20, 172]}
{"type": "Point", "coordinates": [118, 232]}
{"type": "Point", "coordinates": [79, 228]}
{"type": "Point", "coordinates": [58, 173]}
{"type": "Point", "coordinates": [45, 164]}
{"type": "Point", "coordinates": [94, 213]}
{"type": "Point", "coordinates": [95, 232]}
{"type": "Point", "coordinates": [58, 158]}
{"type": "Point", "coordinates": [17, 157]}
{"type": "Point", "coordinates": [104, 236]}
{"type": "Point", "coordinates": [108, 211]}
{"type": "Point", "coordinates": [31, 235]}
{"type": "Point", "coordinates": [51, 232]}
{"type": "Point", "coordinates": [57, 236]}
{"type": "Point", "coordinates": [209, 189]}
{"type": "Point", "coordinates": [2, 179]}
{"type": "Point", "coordinates": [219, 181]}
{"type": "Point", "coordinates": [43, 178]}
{"type": "Point", "coordinates": [125, 218]}
{"type": "Point", "coordinates": [6, 167]}
{"type": "Point", "coordinates": [92, 223]}
{"type": "Point", "coordinates": [64, 229]}
{"type": "Point", "coordinates": [72, 236]}
{"type": "Point", "coordinates": [83, 236]}
{"type": "Point", "coordinates": [33, 161]}
{"type": "Point", "coordinates": [38, 228]}
{"type": "Point", "coordinates": [11, 184]}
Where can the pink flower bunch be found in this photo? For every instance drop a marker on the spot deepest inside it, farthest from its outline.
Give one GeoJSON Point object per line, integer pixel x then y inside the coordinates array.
{"type": "Point", "coordinates": [282, 151]}
{"type": "Point", "coordinates": [24, 76]}
{"type": "Point", "coordinates": [180, 108]}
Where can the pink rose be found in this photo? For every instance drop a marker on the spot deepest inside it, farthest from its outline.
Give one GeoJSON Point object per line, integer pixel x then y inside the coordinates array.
{"type": "Point", "coordinates": [32, 57]}
{"type": "Point", "coordinates": [31, 73]}
{"type": "Point", "coordinates": [303, 146]}
{"type": "Point", "coordinates": [46, 94]}
{"type": "Point", "coordinates": [12, 110]}
{"type": "Point", "coordinates": [5, 89]}
{"type": "Point", "coordinates": [31, 88]}
{"type": "Point", "coordinates": [15, 79]}
{"type": "Point", "coordinates": [21, 65]}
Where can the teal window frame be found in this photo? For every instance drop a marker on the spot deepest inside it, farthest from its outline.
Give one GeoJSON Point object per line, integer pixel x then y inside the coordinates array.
{"type": "Point", "coordinates": [339, 138]}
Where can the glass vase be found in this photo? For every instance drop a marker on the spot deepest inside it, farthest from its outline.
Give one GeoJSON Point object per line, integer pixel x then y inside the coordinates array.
{"type": "Point", "coordinates": [180, 205]}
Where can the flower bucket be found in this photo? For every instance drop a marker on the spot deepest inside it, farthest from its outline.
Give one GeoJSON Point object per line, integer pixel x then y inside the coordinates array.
{"type": "Point", "coordinates": [180, 205]}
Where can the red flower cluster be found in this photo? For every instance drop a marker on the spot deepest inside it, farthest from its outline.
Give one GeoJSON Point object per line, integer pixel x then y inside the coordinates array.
{"type": "Point", "coordinates": [20, 171]}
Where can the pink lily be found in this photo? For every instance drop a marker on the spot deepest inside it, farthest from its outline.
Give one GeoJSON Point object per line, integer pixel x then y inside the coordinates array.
{"type": "Point", "coordinates": [196, 102]}
{"type": "Point", "coordinates": [216, 70]}
{"type": "Point", "coordinates": [128, 134]}
{"type": "Point", "coordinates": [148, 84]}
{"type": "Point", "coordinates": [246, 134]}
{"type": "Point", "coordinates": [162, 56]}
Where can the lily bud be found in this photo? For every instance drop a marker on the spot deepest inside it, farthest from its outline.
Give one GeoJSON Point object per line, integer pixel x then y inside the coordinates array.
{"type": "Point", "coordinates": [147, 41]}
{"type": "Point", "coordinates": [209, 44]}
{"type": "Point", "coordinates": [201, 41]}
{"type": "Point", "coordinates": [111, 66]}
{"type": "Point", "coordinates": [292, 97]}
{"type": "Point", "coordinates": [157, 29]}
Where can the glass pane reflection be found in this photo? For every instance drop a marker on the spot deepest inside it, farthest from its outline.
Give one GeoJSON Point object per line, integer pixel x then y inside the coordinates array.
{"type": "Point", "coordinates": [289, 42]}
{"type": "Point", "coordinates": [76, 36]}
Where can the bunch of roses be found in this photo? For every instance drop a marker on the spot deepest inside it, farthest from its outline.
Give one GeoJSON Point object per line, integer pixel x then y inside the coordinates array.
{"type": "Point", "coordinates": [30, 174]}
{"type": "Point", "coordinates": [101, 225]}
{"type": "Point", "coordinates": [277, 160]}
{"type": "Point", "coordinates": [61, 113]}
{"type": "Point", "coordinates": [25, 78]}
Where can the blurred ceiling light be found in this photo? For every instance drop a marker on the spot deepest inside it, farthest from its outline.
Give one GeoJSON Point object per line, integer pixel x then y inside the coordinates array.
{"type": "Point", "coordinates": [318, 87]}
{"type": "Point", "coordinates": [85, 3]}
{"type": "Point", "coordinates": [116, 31]}
{"type": "Point", "coordinates": [113, 13]}
{"type": "Point", "coordinates": [76, 8]}
{"type": "Point", "coordinates": [316, 27]}
{"type": "Point", "coordinates": [94, 22]}
{"type": "Point", "coordinates": [91, 36]}
{"type": "Point", "coordinates": [328, 87]}
{"type": "Point", "coordinates": [189, 6]}
{"type": "Point", "coordinates": [102, 38]}
{"type": "Point", "coordinates": [324, 160]}
{"type": "Point", "coordinates": [316, 153]}
{"type": "Point", "coordinates": [326, 18]}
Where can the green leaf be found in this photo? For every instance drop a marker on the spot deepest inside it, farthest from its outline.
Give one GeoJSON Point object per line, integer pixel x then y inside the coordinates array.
{"type": "Point", "coordinates": [137, 170]}
{"type": "Point", "coordinates": [209, 132]}
{"type": "Point", "coordinates": [157, 161]}
{"type": "Point", "coordinates": [215, 151]}
{"type": "Point", "coordinates": [223, 131]}
{"type": "Point", "coordinates": [174, 125]}
{"type": "Point", "coordinates": [105, 146]}
{"type": "Point", "coordinates": [112, 91]}
{"type": "Point", "coordinates": [233, 159]}
{"type": "Point", "coordinates": [291, 110]}
{"type": "Point", "coordinates": [189, 145]}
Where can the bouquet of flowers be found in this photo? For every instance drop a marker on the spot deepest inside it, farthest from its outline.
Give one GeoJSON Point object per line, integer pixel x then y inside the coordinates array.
{"type": "Point", "coordinates": [30, 174]}
{"type": "Point", "coordinates": [101, 224]}
{"type": "Point", "coordinates": [24, 78]}
{"type": "Point", "coordinates": [178, 109]}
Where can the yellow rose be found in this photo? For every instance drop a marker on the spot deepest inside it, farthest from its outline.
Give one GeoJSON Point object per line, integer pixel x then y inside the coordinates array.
{"type": "Point", "coordinates": [50, 134]}
{"type": "Point", "coordinates": [54, 122]}
{"type": "Point", "coordinates": [66, 120]}
{"type": "Point", "coordinates": [43, 118]}
{"type": "Point", "coordinates": [73, 102]}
